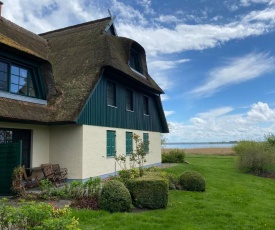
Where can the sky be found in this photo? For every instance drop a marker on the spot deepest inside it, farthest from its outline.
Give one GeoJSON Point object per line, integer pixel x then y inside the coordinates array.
{"type": "Point", "coordinates": [215, 59]}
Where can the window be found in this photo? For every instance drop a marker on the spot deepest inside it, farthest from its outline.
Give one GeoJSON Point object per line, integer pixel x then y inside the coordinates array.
{"type": "Point", "coordinates": [129, 100]}
{"type": "Point", "coordinates": [16, 79]}
{"type": "Point", "coordinates": [135, 61]}
{"type": "Point", "coordinates": [145, 105]}
{"type": "Point", "coordinates": [111, 143]}
{"type": "Point", "coordinates": [146, 142]}
{"type": "Point", "coordinates": [129, 143]}
{"type": "Point", "coordinates": [111, 94]}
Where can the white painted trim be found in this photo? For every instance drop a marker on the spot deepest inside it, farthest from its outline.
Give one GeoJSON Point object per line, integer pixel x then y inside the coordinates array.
{"type": "Point", "coordinates": [22, 98]}
{"type": "Point", "coordinates": [137, 72]}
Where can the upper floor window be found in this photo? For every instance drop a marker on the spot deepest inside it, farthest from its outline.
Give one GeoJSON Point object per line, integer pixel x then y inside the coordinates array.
{"type": "Point", "coordinates": [145, 105]}
{"type": "Point", "coordinates": [111, 93]}
{"type": "Point", "coordinates": [135, 61]}
{"type": "Point", "coordinates": [129, 100]}
{"type": "Point", "coordinates": [16, 79]}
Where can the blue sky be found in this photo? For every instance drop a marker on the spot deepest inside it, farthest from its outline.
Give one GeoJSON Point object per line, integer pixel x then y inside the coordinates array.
{"type": "Point", "coordinates": [214, 59]}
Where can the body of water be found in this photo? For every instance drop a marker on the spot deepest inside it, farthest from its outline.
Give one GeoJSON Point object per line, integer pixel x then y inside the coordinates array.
{"type": "Point", "coordinates": [197, 145]}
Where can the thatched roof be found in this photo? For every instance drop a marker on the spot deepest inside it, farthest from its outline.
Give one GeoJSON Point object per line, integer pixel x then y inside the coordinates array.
{"type": "Point", "coordinates": [72, 61]}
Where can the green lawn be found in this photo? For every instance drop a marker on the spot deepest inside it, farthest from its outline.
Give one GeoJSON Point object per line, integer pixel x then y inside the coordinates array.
{"type": "Point", "coordinates": [232, 201]}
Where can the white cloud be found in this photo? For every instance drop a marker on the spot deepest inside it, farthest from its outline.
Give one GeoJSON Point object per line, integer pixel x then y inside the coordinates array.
{"type": "Point", "coordinates": [45, 15]}
{"type": "Point", "coordinates": [168, 113]}
{"type": "Point", "coordinates": [167, 18]}
{"type": "Point", "coordinates": [163, 80]}
{"type": "Point", "coordinates": [128, 14]}
{"type": "Point", "coordinates": [215, 112]}
{"type": "Point", "coordinates": [236, 71]}
{"type": "Point", "coordinates": [147, 6]}
{"type": "Point", "coordinates": [249, 2]}
{"type": "Point", "coordinates": [164, 97]}
{"type": "Point", "coordinates": [263, 15]}
{"type": "Point", "coordinates": [184, 37]}
{"type": "Point", "coordinates": [260, 112]}
{"type": "Point", "coordinates": [164, 65]}
{"type": "Point", "coordinates": [225, 127]}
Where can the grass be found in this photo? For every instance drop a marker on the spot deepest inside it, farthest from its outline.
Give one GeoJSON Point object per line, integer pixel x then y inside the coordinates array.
{"type": "Point", "coordinates": [232, 201]}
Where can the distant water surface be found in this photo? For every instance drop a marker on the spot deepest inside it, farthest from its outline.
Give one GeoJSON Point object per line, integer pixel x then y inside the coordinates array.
{"type": "Point", "coordinates": [197, 145]}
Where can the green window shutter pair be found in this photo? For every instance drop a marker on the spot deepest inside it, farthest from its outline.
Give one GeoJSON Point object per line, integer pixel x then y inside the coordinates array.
{"type": "Point", "coordinates": [146, 142]}
{"type": "Point", "coordinates": [129, 143]}
{"type": "Point", "coordinates": [111, 143]}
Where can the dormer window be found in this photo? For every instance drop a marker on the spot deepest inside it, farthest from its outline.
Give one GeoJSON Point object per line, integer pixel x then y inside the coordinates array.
{"type": "Point", "coordinates": [135, 61]}
{"type": "Point", "coordinates": [21, 82]}
{"type": "Point", "coordinates": [16, 79]}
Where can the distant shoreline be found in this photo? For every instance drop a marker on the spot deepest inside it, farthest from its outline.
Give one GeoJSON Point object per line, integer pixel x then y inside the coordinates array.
{"type": "Point", "coordinates": [195, 143]}
{"type": "Point", "coordinates": [205, 151]}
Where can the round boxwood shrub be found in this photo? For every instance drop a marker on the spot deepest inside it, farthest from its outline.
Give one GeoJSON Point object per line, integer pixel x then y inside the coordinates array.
{"type": "Point", "coordinates": [115, 197]}
{"type": "Point", "coordinates": [192, 181]}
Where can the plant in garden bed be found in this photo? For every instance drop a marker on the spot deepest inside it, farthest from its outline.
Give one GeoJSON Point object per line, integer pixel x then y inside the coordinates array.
{"type": "Point", "coordinates": [115, 197]}
{"type": "Point", "coordinates": [77, 190]}
{"type": "Point", "coordinates": [192, 181]}
{"type": "Point", "coordinates": [137, 159]}
{"type": "Point", "coordinates": [17, 186]}
{"type": "Point", "coordinates": [149, 191]}
{"type": "Point", "coordinates": [31, 215]}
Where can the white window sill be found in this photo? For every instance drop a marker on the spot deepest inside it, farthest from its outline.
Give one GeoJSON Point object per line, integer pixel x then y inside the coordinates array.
{"type": "Point", "coordinates": [22, 98]}
{"type": "Point", "coordinates": [137, 72]}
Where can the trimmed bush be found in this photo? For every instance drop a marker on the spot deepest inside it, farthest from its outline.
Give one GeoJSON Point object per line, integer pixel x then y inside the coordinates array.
{"type": "Point", "coordinates": [192, 181]}
{"type": "Point", "coordinates": [149, 191]}
{"type": "Point", "coordinates": [173, 156]}
{"type": "Point", "coordinates": [173, 182]}
{"type": "Point", "coordinates": [255, 157]}
{"type": "Point", "coordinates": [115, 197]}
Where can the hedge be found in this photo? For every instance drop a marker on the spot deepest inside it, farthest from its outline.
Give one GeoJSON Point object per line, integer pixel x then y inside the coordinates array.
{"type": "Point", "coordinates": [149, 191]}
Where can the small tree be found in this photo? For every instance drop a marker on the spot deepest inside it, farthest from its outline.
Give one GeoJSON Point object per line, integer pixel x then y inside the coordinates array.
{"type": "Point", "coordinates": [137, 157]}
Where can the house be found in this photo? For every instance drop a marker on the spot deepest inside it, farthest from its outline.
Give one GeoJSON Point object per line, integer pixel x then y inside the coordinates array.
{"type": "Point", "coordinates": [74, 96]}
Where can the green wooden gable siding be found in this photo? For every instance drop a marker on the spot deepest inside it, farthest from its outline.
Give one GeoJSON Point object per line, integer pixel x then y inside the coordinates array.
{"type": "Point", "coordinates": [129, 143]}
{"type": "Point", "coordinates": [111, 143]}
{"type": "Point", "coordinates": [97, 112]}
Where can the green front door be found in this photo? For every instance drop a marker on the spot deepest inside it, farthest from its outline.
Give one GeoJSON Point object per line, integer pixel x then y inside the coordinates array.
{"type": "Point", "coordinates": [10, 157]}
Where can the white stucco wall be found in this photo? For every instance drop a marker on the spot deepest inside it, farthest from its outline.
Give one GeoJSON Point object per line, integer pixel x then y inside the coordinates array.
{"type": "Point", "coordinates": [40, 141]}
{"type": "Point", "coordinates": [66, 145]}
{"type": "Point", "coordinates": [95, 160]}
{"type": "Point", "coordinates": [82, 149]}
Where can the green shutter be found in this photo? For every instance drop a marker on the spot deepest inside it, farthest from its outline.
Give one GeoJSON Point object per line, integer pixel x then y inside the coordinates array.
{"type": "Point", "coordinates": [111, 143]}
{"type": "Point", "coordinates": [129, 143]}
{"type": "Point", "coordinates": [146, 142]}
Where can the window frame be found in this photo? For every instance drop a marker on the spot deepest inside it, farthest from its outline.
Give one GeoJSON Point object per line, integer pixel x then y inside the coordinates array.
{"type": "Point", "coordinates": [33, 74]}
{"type": "Point", "coordinates": [145, 107]}
{"type": "Point", "coordinates": [135, 61]}
{"type": "Point", "coordinates": [129, 105]}
{"type": "Point", "coordinates": [129, 143]}
{"type": "Point", "coordinates": [111, 96]}
{"type": "Point", "coordinates": [110, 143]}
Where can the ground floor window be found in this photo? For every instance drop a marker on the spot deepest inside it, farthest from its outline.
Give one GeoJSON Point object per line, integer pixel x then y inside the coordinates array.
{"type": "Point", "coordinates": [14, 135]}
{"type": "Point", "coordinates": [111, 143]}
{"type": "Point", "coordinates": [146, 142]}
{"type": "Point", "coordinates": [129, 143]}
